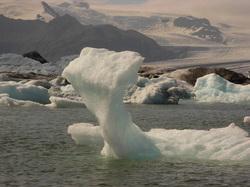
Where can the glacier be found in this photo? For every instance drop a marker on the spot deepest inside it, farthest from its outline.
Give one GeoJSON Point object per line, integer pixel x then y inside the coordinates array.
{"type": "Point", "coordinates": [19, 64]}
{"type": "Point", "coordinates": [103, 92]}
{"type": "Point", "coordinates": [16, 63]}
{"type": "Point", "coordinates": [214, 88]}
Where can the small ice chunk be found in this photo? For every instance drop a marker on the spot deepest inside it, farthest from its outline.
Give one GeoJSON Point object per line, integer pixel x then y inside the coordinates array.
{"type": "Point", "coordinates": [86, 134]}
{"type": "Point", "coordinates": [59, 102]}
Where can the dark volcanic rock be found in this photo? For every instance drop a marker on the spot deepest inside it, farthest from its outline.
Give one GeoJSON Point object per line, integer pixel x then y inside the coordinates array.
{"type": "Point", "coordinates": [153, 71]}
{"type": "Point", "coordinates": [191, 75]}
{"type": "Point", "coordinates": [64, 36]}
{"type": "Point", "coordinates": [10, 76]}
{"type": "Point", "coordinates": [35, 56]}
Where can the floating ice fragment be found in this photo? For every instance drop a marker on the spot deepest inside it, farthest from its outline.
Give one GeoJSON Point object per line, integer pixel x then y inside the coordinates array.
{"type": "Point", "coordinates": [213, 88]}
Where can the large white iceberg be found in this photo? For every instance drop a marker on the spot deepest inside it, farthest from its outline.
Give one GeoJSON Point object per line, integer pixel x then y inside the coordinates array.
{"type": "Point", "coordinates": [213, 88]}
{"type": "Point", "coordinates": [101, 77]}
{"type": "Point", "coordinates": [25, 92]}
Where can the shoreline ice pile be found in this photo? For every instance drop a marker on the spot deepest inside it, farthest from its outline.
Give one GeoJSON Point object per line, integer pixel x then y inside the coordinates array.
{"type": "Point", "coordinates": [103, 94]}
{"type": "Point", "coordinates": [213, 88]}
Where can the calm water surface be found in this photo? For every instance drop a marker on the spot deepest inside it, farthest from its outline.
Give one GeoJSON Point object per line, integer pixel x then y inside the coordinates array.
{"type": "Point", "coordinates": [35, 149]}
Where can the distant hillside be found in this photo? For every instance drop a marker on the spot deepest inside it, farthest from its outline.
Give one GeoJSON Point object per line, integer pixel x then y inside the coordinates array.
{"type": "Point", "coordinates": [65, 36]}
{"type": "Point", "coordinates": [155, 25]}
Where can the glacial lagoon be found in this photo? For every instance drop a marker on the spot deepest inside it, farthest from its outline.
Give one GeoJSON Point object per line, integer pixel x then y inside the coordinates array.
{"type": "Point", "coordinates": [37, 151]}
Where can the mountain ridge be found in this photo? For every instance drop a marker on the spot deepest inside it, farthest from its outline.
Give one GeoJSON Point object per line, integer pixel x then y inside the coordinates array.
{"type": "Point", "coordinates": [65, 36]}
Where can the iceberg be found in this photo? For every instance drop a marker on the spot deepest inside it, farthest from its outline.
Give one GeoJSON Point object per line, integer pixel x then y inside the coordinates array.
{"type": "Point", "coordinates": [213, 88]}
{"type": "Point", "coordinates": [26, 92]}
{"type": "Point", "coordinates": [162, 90]}
{"type": "Point", "coordinates": [103, 92]}
{"type": "Point", "coordinates": [101, 78]}
{"type": "Point", "coordinates": [228, 143]}
{"type": "Point", "coordinates": [60, 102]}
{"type": "Point", "coordinates": [5, 100]}
{"type": "Point", "coordinates": [86, 134]}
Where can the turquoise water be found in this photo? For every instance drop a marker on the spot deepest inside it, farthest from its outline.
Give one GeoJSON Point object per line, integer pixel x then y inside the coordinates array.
{"type": "Point", "coordinates": [35, 149]}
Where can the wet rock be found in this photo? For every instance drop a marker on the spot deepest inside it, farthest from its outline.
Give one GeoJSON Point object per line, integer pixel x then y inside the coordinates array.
{"type": "Point", "coordinates": [13, 76]}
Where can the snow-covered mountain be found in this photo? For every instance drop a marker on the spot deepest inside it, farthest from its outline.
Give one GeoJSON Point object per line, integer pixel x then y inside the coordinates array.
{"type": "Point", "coordinates": [155, 25]}
{"type": "Point", "coordinates": [164, 28]}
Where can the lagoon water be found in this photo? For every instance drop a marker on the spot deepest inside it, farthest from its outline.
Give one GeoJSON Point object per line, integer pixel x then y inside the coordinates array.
{"type": "Point", "coordinates": [35, 149]}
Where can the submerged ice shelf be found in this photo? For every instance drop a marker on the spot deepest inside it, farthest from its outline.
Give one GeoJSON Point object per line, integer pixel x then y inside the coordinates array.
{"type": "Point", "coordinates": [103, 92]}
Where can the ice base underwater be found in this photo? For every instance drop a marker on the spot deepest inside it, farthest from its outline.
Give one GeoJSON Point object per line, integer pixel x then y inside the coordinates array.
{"type": "Point", "coordinates": [101, 78]}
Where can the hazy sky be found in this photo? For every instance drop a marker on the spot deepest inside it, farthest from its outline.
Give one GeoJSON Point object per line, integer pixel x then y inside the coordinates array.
{"type": "Point", "coordinates": [221, 10]}
{"type": "Point", "coordinates": [226, 11]}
